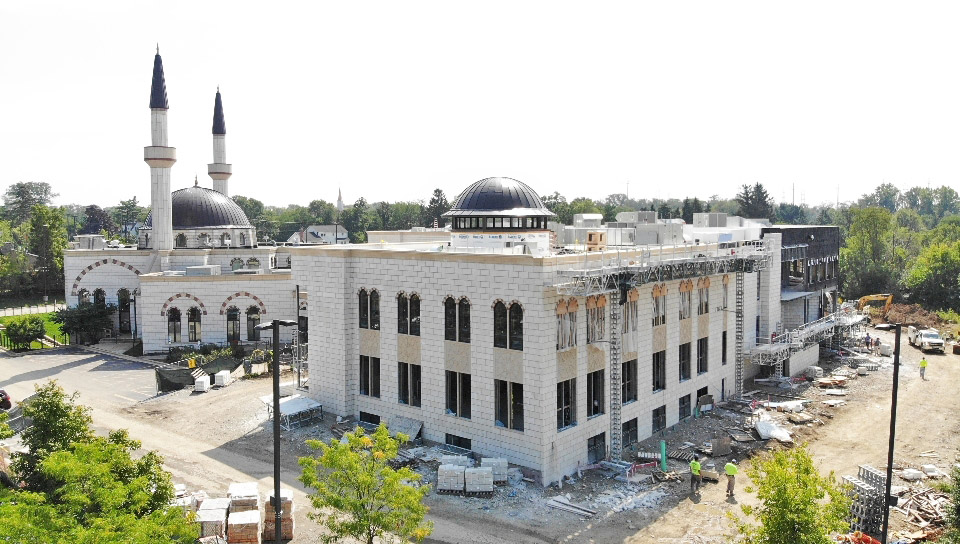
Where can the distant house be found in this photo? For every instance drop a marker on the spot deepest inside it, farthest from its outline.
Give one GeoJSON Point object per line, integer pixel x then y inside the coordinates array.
{"type": "Point", "coordinates": [320, 234]}
{"type": "Point", "coordinates": [9, 249]}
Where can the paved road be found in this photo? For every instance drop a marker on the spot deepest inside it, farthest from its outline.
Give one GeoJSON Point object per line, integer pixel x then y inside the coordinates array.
{"type": "Point", "coordinates": [102, 380]}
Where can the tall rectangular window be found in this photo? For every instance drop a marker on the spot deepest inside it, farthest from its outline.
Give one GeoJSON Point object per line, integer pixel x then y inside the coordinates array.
{"type": "Point", "coordinates": [629, 381]}
{"type": "Point", "coordinates": [723, 348]}
{"type": "Point", "coordinates": [726, 295]}
{"type": "Point", "coordinates": [508, 404]}
{"type": "Point", "coordinates": [660, 371]}
{"type": "Point", "coordinates": [370, 376]}
{"type": "Point", "coordinates": [685, 362]}
{"type": "Point", "coordinates": [456, 320]}
{"type": "Point", "coordinates": [566, 403]}
{"type": "Point", "coordinates": [458, 394]}
{"type": "Point", "coordinates": [630, 435]}
{"type": "Point", "coordinates": [595, 405]}
{"type": "Point", "coordinates": [702, 356]}
{"type": "Point", "coordinates": [685, 304]}
{"type": "Point", "coordinates": [596, 321]}
{"type": "Point", "coordinates": [408, 384]}
{"type": "Point", "coordinates": [630, 316]}
{"type": "Point", "coordinates": [659, 419]}
{"type": "Point", "coordinates": [684, 406]}
{"type": "Point", "coordinates": [703, 299]}
{"type": "Point", "coordinates": [659, 310]}
{"type": "Point", "coordinates": [408, 314]}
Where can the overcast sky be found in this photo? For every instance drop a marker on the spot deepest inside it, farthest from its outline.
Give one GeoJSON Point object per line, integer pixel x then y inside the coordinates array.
{"type": "Point", "coordinates": [389, 100]}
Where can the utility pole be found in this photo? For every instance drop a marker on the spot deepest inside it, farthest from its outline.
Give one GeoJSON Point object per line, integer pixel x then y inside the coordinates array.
{"type": "Point", "coordinates": [893, 430]}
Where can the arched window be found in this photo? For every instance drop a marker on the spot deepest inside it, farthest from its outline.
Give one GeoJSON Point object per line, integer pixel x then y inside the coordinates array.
{"type": "Point", "coordinates": [123, 309]}
{"type": "Point", "coordinates": [173, 325]}
{"type": "Point", "coordinates": [253, 319]}
{"type": "Point", "coordinates": [193, 324]}
{"type": "Point", "coordinates": [181, 240]}
{"type": "Point", "coordinates": [236, 263]}
{"type": "Point", "coordinates": [233, 324]}
{"type": "Point", "coordinates": [83, 297]}
{"type": "Point", "coordinates": [146, 240]}
{"type": "Point", "coordinates": [225, 239]}
{"type": "Point", "coordinates": [499, 325]}
{"type": "Point", "coordinates": [253, 262]}
{"type": "Point", "coordinates": [204, 240]}
{"type": "Point", "coordinates": [415, 315]}
{"type": "Point", "coordinates": [464, 321]}
{"type": "Point", "coordinates": [450, 319]}
{"type": "Point", "coordinates": [100, 297]}
{"type": "Point", "coordinates": [243, 238]}
{"type": "Point", "coordinates": [516, 327]}
{"type": "Point", "coordinates": [374, 310]}
{"type": "Point", "coordinates": [364, 309]}
{"type": "Point", "coordinates": [403, 315]}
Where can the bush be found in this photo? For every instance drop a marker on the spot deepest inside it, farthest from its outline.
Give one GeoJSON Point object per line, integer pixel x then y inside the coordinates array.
{"type": "Point", "coordinates": [22, 331]}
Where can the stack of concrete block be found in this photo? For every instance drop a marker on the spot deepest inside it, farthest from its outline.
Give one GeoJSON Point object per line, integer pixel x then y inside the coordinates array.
{"type": "Point", "coordinates": [244, 497]}
{"type": "Point", "coordinates": [478, 480]}
{"type": "Point", "coordinates": [450, 478]}
{"type": "Point", "coordinates": [207, 503]}
{"type": "Point", "coordinates": [867, 491]}
{"type": "Point", "coordinates": [499, 466]}
{"type": "Point", "coordinates": [286, 517]}
{"type": "Point", "coordinates": [458, 460]}
{"type": "Point", "coordinates": [222, 378]}
{"type": "Point", "coordinates": [213, 521]}
{"type": "Point", "coordinates": [201, 384]}
{"type": "Point", "coordinates": [244, 527]}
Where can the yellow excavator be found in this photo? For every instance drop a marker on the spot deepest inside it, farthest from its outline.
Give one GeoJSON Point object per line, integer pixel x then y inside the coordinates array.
{"type": "Point", "coordinates": [888, 298]}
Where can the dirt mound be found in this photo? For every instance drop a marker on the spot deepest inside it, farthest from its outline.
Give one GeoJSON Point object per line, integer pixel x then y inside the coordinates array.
{"type": "Point", "coordinates": [913, 314]}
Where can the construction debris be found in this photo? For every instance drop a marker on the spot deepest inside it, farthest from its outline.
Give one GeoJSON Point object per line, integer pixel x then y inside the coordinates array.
{"type": "Point", "coordinates": [768, 429]}
{"type": "Point", "coordinates": [867, 490]}
{"type": "Point", "coordinates": [561, 502]}
{"type": "Point", "coordinates": [924, 507]}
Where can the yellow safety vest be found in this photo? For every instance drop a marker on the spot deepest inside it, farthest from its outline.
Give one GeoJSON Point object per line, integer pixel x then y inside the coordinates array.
{"type": "Point", "coordinates": [695, 467]}
{"type": "Point", "coordinates": [730, 469]}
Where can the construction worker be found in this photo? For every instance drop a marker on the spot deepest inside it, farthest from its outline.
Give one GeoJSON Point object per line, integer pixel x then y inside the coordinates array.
{"type": "Point", "coordinates": [731, 470]}
{"type": "Point", "coordinates": [923, 368]}
{"type": "Point", "coordinates": [695, 475]}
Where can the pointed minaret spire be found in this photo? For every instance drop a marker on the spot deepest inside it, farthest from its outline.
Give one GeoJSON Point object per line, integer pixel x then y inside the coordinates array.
{"type": "Point", "coordinates": [158, 90]}
{"type": "Point", "coordinates": [219, 170]}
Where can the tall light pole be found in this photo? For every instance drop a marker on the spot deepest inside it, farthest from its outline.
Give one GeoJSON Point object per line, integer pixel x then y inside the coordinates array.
{"type": "Point", "coordinates": [275, 325]}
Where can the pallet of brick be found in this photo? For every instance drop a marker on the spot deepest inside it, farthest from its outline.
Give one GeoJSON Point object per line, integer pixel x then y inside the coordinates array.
{"type": "Point", "coordinates": [244, 496]}
{"type": "Point", "coordinates": [499, 466]}
{"type": "Point", "coordinates": [478, 480]}
{"type": "Point", "coordinates": [286, 517]}
{"type": "Point", "coordinates": [244, 527]}
{"type": "Point", "coordinates": [459, 460]}
{"type": "Point", "coordinates": [450, 478]}
{"type": "Point", "coordinates": [219, 503]}
{"type": "Point", "coordinates": [211, 540]}
{"type": "Point", "coordinates": [212, 521]}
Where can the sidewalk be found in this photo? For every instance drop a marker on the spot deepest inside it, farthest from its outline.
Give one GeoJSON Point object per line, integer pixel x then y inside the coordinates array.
{"type": "Point", "coordinates": [38, 309]}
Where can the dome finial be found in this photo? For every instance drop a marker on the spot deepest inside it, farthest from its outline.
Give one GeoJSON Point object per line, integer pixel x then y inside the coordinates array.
{"type": "Point", "coordinates": [195, 182]}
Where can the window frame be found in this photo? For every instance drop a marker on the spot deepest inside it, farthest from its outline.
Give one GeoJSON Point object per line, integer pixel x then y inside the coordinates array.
{"type": "Point", "coordinates": [409, 384]}
{"type": "Point", "coordinates": [500, 326]}
{"type": "Point", "coordinates": [659, 368]}
{"type": "Point", "coordinates": [684, 352]}
{"type": "Point", "coordinates": [174, 333]}
{"type": "Point", "coordinates": [659, 310]}
{"type": "Point", "coordinates": [688, 405]}
{"type": "Point", "coordinates": [703, 355]}
{"type": "Point", "coordinates": [628, 374]}
{"type": "Point", "coordinates": [703, 300]}
{"type": "Point", "coordinates": [659, 419]}
{"type": "Point", "coordinates": [508, 405]}
{"type": "Point", "coordinates": [369, 384]}
{"type": "Point", "coordinates": [233, 324]}
{"type": "Point", "coordinates": [596, 401]}
{"type": "Point", "coordinates": [566, 404]}
{"type": "Point", "coordinates": [194, 325]}
{"type": "Point", "coordinates": [253, 319]}
{"type": "Point", "coordinates": [458, 394]}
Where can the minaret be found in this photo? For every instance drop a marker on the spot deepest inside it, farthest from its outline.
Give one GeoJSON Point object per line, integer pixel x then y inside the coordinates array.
{"type": "Point", "coordinates": [161, 158]}
{"type": "Point", "coordinates": [219, 170]}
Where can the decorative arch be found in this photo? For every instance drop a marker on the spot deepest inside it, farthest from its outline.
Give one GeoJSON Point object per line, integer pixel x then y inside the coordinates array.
{"type": "Point", "coordinates": [101, 262]}
{"type": "Point", "coordinates": [238, 294]}
{"type": "Point", "coordinates": [163, 310]}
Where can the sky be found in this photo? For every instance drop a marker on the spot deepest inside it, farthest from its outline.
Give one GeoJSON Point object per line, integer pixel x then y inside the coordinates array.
{"type": "Point", "coordinates": [819, 101]}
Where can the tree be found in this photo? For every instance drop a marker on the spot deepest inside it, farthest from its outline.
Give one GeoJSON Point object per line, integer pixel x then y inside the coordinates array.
{"type": "Point", "coordinates": [355, 221]}
{"type": "Point", "coordinates": [866, 264]}
{"type": "Point", "coordinates": [405, 215]}
{"type": "Point", "coordinates": [86, 321]}
{"type": "Point", "coordinates": [797, 504]}
{"type": "Point", "coordinates": [754, 202]}
{"type": "Point", "coordinates": [251, 207]}
{"type": "Point", "coordinates": [557, 204]}
{"type": "Point", "coordinates": [359, 495]}
{"type": "Point", "coordinates": [20, 198]}
{"type": "Point", "coordinates": [952, 534]}
{"type": "Point", "coordinates": [23, 330]}
{"type": "Point", "coordinates": [324, 213]}
{"type": "Point", "coordinates": [97, 221]}
{"type": "Point", "coordinates": [437, 206]}
{"type": "Point", "coordinates": [934, 277]}
{"type": "Point", "coordinates": [48, 239]}
{"type": "Point", "coordinates": [791, 214]}
{"type": "Point", "coordinates": [384, 213]}
{"type": "Point", "coordinates": [58, 421]}
{"type": "Point", "coordinates": [886, 195]}
{"type": "Point", "coordinates": [128, 213]}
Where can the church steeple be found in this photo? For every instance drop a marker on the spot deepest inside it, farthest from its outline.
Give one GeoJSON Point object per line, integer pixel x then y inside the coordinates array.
{"type": "Point", "coordinates": [219, 170]}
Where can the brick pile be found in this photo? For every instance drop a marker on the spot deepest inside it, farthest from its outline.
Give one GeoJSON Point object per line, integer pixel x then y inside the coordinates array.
{"type": "Point", "coordinates": [244, 497]}
{"type": "Point", "coordinates": [286, 517]}
{"type": "Point", "coordinates": [450, 478]}
{"type": "Point", "coordinates": [213, 521]}
{"type": "Point", "coordinates": [478, 480]}
{"type": "Point", "coordinates": [244, 527]}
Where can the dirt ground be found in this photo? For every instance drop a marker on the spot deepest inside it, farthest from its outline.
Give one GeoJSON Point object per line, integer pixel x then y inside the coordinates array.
{"type": "Point", "coordinates": [211, 440]}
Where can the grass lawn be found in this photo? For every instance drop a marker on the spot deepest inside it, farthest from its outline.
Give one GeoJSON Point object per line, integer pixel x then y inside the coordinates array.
{"type": "Point", "coordinates": [53, 329]}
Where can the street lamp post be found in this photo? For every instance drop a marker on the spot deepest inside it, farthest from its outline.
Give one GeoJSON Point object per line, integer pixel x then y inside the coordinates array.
{"type": "Point", "coordinates": [275, 325]}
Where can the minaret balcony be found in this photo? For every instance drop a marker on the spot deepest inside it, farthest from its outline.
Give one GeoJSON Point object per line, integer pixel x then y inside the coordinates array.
{"type": "Point", "coordinates": [219, 168]}
{"type": "Point", "coordinates": [160, 157]}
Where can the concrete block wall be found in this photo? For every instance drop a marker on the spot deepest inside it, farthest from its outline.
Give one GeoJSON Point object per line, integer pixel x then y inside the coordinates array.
{"type": "Point", "coordinates": [800, 360]}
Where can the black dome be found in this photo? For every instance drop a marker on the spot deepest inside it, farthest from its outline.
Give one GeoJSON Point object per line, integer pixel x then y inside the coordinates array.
{"type": "Point", "coordinates": [198, 207]}
{"type": "Point", "coordinates": [498, 196]}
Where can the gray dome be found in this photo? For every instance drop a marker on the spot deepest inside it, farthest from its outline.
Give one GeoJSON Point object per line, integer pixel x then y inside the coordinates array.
{"type": "Point", "coordinates": [199, 207]}
{"type": "Point", "coordinates": [498, 196]}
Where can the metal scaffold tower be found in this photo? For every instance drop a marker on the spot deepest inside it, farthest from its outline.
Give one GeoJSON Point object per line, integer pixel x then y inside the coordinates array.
{"type": "Point", "coordinates": [738, 357]}
{"type": "Point", "coordinates": [620, 277]}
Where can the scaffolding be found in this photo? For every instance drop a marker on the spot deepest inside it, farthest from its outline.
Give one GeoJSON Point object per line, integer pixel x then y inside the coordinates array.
{"type": "Point", "coordinates": [837, 328]}
{"type": "Point", "coordinates": [619, 277]}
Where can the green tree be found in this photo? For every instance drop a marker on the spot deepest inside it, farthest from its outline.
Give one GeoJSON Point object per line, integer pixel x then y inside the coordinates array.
{"type": "Point", "coordinates": [919, 199]}
{"type": "Point", "coordinates": [437, 206]}
{"type": "Point", "coordinates": [405, 215]}
{"type": "Point", "coordinates": [359, 495]}
{"type": "Point", "coordinates": [791, 214]}
{"type": "Point", "coordinates": [251, 207]}
{"type": "Point", "coordinates": [952, 534]}
{"type": "Point", "coordinates": [25, 329]}
{"type": "Point", "coordinates": [557, 204]}
{"type": "Point", "coordinates": [947, 201]}
{"type": "Point", "coordinates": [866, 264]}
{"type": "Point", "coordinates": [355, 220]}
{"type": "Point", "coordinates": [797, 504]}
{"type": "Point", "coordinates": [58, 421]}
{"type": "Point", "coordinates": [886, 195]}
{"type": "Point", "coordinates": [48, 239]}
{"type": "Point", "coordinates": [934, 277]}
{"type": "Point", "coordinates": [324, 213]}
{"type": "Point", "coordinates": [755, 202]}
{"type": "Point", "coordinates": [85, 321]}
{"type": "Point", "coordinates": [384, 213]}
{"type": "Point", "coordinates": [127, 214]}
{"type": "Point", "coordinates": [97, 221]}
{"type": "Point", "coordinates": [20, 198]}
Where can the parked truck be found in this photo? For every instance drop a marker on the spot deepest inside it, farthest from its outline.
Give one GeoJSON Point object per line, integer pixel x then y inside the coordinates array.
{"type": "Point", "coordinates": [926, 340]}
